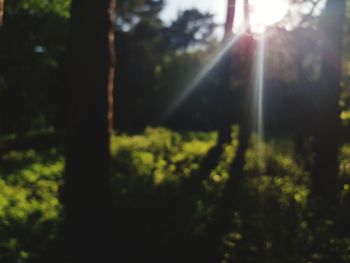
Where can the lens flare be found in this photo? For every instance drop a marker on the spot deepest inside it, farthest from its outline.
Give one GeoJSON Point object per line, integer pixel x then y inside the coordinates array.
{"type": "Point", "coordinates": [267, 12]}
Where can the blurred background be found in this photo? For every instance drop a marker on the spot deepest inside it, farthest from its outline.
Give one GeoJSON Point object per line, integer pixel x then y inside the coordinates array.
{"type": "Point", "coordinates": [230, 138]}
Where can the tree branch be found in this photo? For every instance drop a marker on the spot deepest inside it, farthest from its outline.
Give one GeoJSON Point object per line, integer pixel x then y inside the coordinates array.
{"type": "Point", "coordinates": [307, 17]}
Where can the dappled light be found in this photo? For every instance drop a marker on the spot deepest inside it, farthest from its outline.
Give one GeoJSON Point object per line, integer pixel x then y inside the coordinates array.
{"type": "Point", "coordinates": [173, 131]}
{"type": "Point", "coordinates": [275, 192]}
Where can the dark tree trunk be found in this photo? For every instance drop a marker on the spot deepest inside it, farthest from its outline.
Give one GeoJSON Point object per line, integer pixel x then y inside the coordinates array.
{"type": "Point", "coordinates": [327, 130]}
{"type": "Point", "coordinates": [241, 69]}
{"type": "Point", "coordinates": [87, 178]}
{"type": "Point", "coordinates": [236, 172]}
{"type": "Point", "coordinates": [193, 184]}
{"type": "Point", "coordinates": [246, 55]}
{"type": "Point", "coordinates": [222, 219]}
{"type": "Point", "coordinates": [303, 106]}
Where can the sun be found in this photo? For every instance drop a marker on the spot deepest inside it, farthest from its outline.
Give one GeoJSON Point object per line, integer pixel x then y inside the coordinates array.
{"type": "Point", "coordinates": [267, 12]}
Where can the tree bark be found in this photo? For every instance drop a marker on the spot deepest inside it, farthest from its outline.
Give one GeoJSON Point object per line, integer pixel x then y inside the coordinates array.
{"type": "Point", "coordinates": [112, 67]}
{"type": "Point", "coordinates": [87, 177]}
{"type": "Point", "coordinates": [327, 130]}
{"type": "Point", "coordinates": [2, 8]}
{"type": "Point", "coordinates": [230, 16]}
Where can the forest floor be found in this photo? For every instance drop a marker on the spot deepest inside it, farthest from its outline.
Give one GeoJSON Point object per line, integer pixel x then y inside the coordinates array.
{"type": "Point", "coordinates": [155, 221]}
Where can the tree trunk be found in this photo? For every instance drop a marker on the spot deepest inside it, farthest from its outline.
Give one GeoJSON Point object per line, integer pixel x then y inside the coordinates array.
{"type": "Point", "coordinates": [230, 16]}
{"type": "Point", "coordinates": [245, 107]}
{"type": "Point", "coordinates": [193, 184]}
{"type": "Point", "coordinates": [242, 69]}
{"type": "Point", "coordinates": [327, 130]}
{"type": "Point", "coordinates": [111, 82]}
{"type": "Point", "coordinates": [303, 109]}
{"type": "Point", "coordinates": [87, 177]}
{"type": "Point", "coordinates": [2, 8]}
{"type": "Point", "coordinates": [247, 15]}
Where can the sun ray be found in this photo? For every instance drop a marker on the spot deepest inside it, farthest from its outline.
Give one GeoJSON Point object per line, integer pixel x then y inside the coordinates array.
{"type": "Point", "coordinates": [199, 77]}
{"type": "Point", "coordinates": [259, 97]}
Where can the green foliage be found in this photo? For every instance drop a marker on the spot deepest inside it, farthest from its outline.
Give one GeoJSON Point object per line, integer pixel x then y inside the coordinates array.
{"type": "Point", "coordinates": [191, 28]}
{"type": "Point", "coordinates": [273, 221]}
{"type": "Point", "coordinates": [29, 206]}
{"type": "Point", "coordinates": [32, 48]}
{"type": "Point", "coordinates": [170, 59]}
{"type": "Point", "coordinates": [345, 116]}
{"type": "Point", "coordinates": [130, 12]}
{"type": "Point", "coordinates": [160, 154]}
{"type": "Point", "coordinates": [57, 7]}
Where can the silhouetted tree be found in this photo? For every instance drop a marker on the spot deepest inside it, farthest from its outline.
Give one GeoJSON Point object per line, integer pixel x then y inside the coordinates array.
{"type": "Point", "coordinates": [87, 178]}
{"type": "Point", "coordinates": [242, 71]}
{"type": "Point", "coordinates": [303, 95]}
{"type": "Point", "coordinates": [230, 17]}
{"type": "Point", "coordinates": [169, 54]}
{"type": "Point", "coordinates": [191, 28]}
{"type": "Point", "coordinates": [39, 30]}
{"type": "Point", "coordinates": [327, 116]}
{"type": "Point", "coordinates": [224, 103]}
{"type": "Point", "coordinates": [236, 65]}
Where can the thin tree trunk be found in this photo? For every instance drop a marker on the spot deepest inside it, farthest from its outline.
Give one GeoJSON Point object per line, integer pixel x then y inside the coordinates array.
{"type": "Point", "coordinates": [87, 177]}
{"type": "Point", "coordinates": [247, 15]}
{"type": "Point", "coordinates": [112, 68]}
{"type": "Point", "coordinates": [2, 8]}
{"type": "Point", "coordinates": [230, 17]}
{"type": "Point", "coordinates": [327, 130]}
